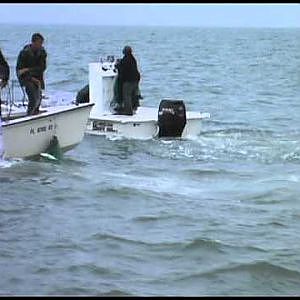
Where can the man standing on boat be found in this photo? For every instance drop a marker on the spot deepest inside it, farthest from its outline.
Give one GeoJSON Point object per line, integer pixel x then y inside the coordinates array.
{"type": "Point", "coordinates": [129, 78]}
{"type": "Point", "coordinates": [4, 71]}
{"type": "Point", "coordinates": [30, 69]}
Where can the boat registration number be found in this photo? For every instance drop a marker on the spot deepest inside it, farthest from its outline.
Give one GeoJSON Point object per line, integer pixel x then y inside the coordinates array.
{"type": "Point", "coordinates": [36, 130]}
{"type": "Point", "coordinates": [103, 126]}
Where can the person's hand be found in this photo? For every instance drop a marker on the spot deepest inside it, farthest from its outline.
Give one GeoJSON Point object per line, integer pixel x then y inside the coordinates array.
{"type": "Point", "coordinates": [24, 70]}
{"type": "Point", "coordinates": [36, 81]}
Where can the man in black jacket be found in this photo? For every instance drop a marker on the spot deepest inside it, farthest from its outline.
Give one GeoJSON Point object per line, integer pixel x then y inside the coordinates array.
{"type": "Point", "coordinates": [31, 65]}
{"type": "Point", "coordinates": [129, 77]}
{"type": "Point", "coordinates": [4, 71]}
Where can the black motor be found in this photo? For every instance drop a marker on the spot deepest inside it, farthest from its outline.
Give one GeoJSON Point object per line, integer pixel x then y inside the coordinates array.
{"type": "Point", "coordinates": [171, 118]}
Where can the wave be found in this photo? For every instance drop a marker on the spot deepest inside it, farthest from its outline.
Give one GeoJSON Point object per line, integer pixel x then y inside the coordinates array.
{"type": "Point", "coordinates": [261, 267]}
{"type": "Point", "coordinates": [266, 102]}
{"type": "Point", "coordinates": [254, 248]}
{"type": "Point", "coordinates": [120, 190]}
{"type": "Point", "coordinates": [207, 65]}
{"type": "Point", "coordinates": [268, 197]}
{"type": "Point", "coordinates": [159, 244]}
{"type": "Point", "coordinates": [198, 243]}
{"type": "Point", "coordinates": [268, 93]}
{"type": "Point", "coordinates": [153, 218]}
{"type": "Point", "coordinates": [293, 156]}
{"type": "Point", "coordinates": [216, 122]}
{"type": "Point", "coordinates": [126, 192]}
{"type": "Point", "coordinates": [106, 236]}
{"type": "Point", "coordinates": [258, 268]}
{"type": "Point", "coordinates": [9, 163]}
{"type": "Point", "coordinates": [239, 131]}
{"type": "Point", "coordinates": [93, 269]}
{"type": "Point", "coordinates": [69, 160]}
{"type": "Point", "coordinates": [145, 219]}
{"type": "Point", "coordinates": [207, 172]}
{"type": "Point", "coordinates": [274, 223]}
{"type": "Point", "coordinates": [72, 291]}
{"type": "Point", "coordinates": [195, 244]}
{"type": "Point", "coordinates": [12, 210]}
{"type": "Point", "coordinates": [6, 180]}
{"type": "Point", "coordinates": [204, 243]}
{"type": "Point", "coordinates": [217, 92]}
{"type": "Point", "coordinates": [65, 245]}
{"type": "Point", "coordinates": [216, 245]}
{"type": "Point", "coordinates": [115, 293]}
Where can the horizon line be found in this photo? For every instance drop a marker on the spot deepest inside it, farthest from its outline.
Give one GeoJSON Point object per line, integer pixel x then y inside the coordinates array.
{"type": "Point", "coordinates": [152, 25]}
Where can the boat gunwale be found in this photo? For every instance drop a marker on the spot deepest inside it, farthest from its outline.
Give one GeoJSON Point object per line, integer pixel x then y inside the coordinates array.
{"type": "Point", "coordinates": [43, 115]}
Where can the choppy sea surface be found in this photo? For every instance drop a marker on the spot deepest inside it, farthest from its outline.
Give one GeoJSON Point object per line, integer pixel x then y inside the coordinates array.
{"type": "Point", "coordinates": [216, 215]}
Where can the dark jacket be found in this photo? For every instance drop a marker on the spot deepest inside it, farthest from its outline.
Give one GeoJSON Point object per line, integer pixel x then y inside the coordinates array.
{"type": "Point", "coordinates": [4, 68]}
{"type": "Point", "coordinates": [35, 60]}
{"type": "Point", "coordinates": [83, 95]}
{"type": "Point", "coordinates": [127, 69]}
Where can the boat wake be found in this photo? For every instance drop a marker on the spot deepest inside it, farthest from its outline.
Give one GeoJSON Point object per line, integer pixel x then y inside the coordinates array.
{"type": "Point", "coordinates": [9, 163]}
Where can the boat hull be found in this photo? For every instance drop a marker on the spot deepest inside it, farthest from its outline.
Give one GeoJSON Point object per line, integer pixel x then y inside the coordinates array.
{"type": "Point", "coordinates": [143, 125]}
{"type": "Point", "coordinates": [29, 136]}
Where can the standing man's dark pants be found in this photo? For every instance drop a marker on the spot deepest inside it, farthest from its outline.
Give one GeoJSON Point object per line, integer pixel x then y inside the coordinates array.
{"type": "Point", "coordinates": [34, 97]}
{"type": "Point", "coordinates": [129, 93]}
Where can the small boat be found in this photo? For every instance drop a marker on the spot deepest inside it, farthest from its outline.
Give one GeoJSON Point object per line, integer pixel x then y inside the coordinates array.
{"type": "Point", "coordinates": [170, 120]}
{"type": "Point", "coordinates": [28, 136]}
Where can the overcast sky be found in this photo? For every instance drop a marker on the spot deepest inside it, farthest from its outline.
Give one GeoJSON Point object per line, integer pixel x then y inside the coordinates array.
{"type": "Point", "coordinates": [241, 15]}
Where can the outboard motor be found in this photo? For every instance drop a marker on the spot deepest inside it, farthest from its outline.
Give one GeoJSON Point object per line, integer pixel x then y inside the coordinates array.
{"type": "Point", "coordinates": [171, 118]}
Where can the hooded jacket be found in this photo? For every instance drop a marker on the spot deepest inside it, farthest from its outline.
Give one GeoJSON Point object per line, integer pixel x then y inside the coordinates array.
{"type": "Point", "coordinates": [35, 60]}
{"type": "Point", "coordinates": [127, 69]}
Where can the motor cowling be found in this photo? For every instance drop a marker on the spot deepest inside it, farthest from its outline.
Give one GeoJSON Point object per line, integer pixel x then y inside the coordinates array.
{"type": "Point", "coordinates": [171, 118]}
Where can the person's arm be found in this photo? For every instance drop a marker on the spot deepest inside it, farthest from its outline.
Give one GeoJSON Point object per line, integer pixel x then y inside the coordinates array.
{"type": "Point", "coordinates": [119, 67]}
{"type": "Point", "coordinates": [135, 67]}
{"type": "Point", "coordinates": [22, 70]}
{"type": "Point", "coordinates": [5, 66]}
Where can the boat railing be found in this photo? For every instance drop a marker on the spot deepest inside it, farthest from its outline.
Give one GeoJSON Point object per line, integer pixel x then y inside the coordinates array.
{"type": "Point", "coordinates": [109, 63]}
{"type": "Point", "coordinates": [12, 95]}
{"type": "Point", "coordinates": [108, 58]}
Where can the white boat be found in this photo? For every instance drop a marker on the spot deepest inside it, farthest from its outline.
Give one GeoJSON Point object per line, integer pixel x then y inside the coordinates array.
{"type": "Point", "coordinates": [144, 124]}
{"type": "Point", "coordinates": [28, 136]}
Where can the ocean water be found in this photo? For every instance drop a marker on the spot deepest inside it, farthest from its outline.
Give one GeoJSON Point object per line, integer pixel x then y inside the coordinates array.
{"type": "Point", "coordinates": [217, 215]}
